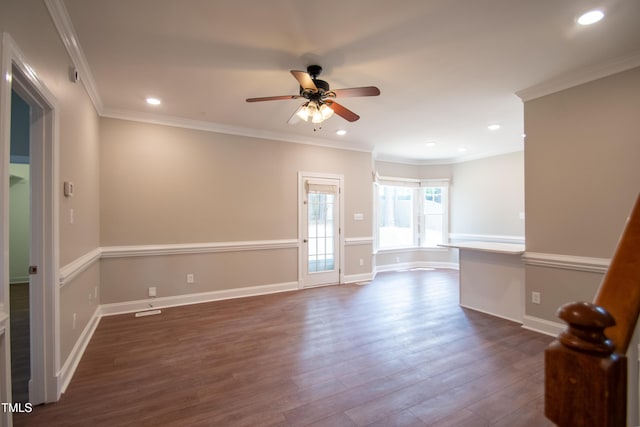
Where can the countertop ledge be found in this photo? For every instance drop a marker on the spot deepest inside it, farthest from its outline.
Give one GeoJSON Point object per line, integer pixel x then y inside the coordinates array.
{"type": "Point", "coordinates": [495, 247]}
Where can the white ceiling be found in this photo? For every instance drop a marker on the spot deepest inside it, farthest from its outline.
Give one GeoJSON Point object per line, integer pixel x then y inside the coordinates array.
{"type": "Point", "coordinates": [446, 69]}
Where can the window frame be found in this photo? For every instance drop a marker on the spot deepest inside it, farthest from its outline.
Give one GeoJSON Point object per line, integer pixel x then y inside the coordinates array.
{"type": "Point", "coordinates": [418, 215]}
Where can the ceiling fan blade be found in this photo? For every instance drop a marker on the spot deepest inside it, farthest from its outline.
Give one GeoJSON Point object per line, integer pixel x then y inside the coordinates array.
{"type": "Point", "coordinates": [273, 98]}
{"type": "Point", "coordinates": [305, 80]}
{"type": "Point", "coordinates": [357, 91]}
{"type": "Point", "coordinates": [343, 112]}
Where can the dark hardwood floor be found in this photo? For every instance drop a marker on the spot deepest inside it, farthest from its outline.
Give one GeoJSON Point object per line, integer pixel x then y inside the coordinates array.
{"type": "Point", "coordinates": [20, 342]}
{"type": "Point", "coordinates": [398, 351]}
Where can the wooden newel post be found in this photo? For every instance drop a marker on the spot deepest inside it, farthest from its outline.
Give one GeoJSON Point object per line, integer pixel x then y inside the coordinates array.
{"type": "Point", "coordinates": [585, 380]}
{"type": "Point", "coordinates": [586, 371]}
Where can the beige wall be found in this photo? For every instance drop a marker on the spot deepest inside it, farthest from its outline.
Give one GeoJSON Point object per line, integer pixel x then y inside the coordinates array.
{"type": "Point", "coordinates": [164, 184]}
{"type": "Point", "coordinates": [487, 196]}
{"type": "Point", "coordinates": [19, 235]}
{"type": "Point", "coordinates": [169, 185]}
{"type": "Point", "coordinates": [581, 180]}
{"type": "Point", "coordinates": [28, 22]}
{"type": "Point", "coordinates": [403, 170]}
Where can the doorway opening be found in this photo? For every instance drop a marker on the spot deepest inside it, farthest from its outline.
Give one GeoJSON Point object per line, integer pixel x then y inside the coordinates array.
{"type": "Point", "coordinates": [19, 78]}
{"type": "Point", "coordinates": [19, 248]}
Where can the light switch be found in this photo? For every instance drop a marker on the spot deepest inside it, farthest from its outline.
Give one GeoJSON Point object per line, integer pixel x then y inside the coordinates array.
{"type": "Point", "coordinates": [358, 217]}
{"type": "Point", "coordinates": [68, 189]}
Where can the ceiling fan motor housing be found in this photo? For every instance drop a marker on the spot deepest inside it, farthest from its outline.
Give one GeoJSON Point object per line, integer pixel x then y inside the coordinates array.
{"type": "Point", "coordinates": [314, 71]}
{"type": "Point", "coordinates": [322, 86]}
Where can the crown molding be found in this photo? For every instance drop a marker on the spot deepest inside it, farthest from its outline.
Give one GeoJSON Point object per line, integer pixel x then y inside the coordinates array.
{"type": "Point", "coordinates": [584, 75]}
{"type": "Point", "coordinates": [143, 117]}
{"type": "Point", "coordinates": [67, 33]}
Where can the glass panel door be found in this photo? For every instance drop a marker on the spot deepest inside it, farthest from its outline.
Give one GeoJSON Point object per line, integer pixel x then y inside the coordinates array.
{"type": "Point", "coordinates": [320, 222]}
{"type": "Point", "coordinates": [321, 242]}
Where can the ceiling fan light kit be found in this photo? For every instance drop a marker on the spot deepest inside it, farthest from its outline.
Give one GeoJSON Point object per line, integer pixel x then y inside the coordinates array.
{"type": "Point", "coordinates": [317, 111]}
{"type": "Point", "coordinates": [320, 103]}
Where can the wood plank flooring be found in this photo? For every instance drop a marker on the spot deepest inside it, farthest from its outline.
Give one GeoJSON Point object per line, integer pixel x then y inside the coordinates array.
{"type": "Point", "coordinates": [398, 351]}
{"type": "Point", "coordinates": [20, 342]}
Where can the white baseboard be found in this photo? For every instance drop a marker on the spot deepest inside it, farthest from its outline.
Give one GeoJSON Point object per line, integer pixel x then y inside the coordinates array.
{"type": "Point", "coordinates": [70, 365]}
{"type": "Point", "coordinates": [415, 264]}
{"type": "Point", "coordinates": [178, 300]}
{"type": "Point", "coordinates": [492, 314]}
{"type": "Point", "coordinates": [356, 278]}
{"type": "Point", "coordinates": [542, 326]}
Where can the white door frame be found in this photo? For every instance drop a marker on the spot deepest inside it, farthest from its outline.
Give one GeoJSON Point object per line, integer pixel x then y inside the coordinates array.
{"type": "Point", "coordinates": [302, 261]}
{"type": "Point", "coordinates": [17, 73]}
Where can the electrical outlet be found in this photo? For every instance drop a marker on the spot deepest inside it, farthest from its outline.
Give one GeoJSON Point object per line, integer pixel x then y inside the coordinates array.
{"type": "Point", "coordinates": [535, 297]}
{"type": "Point", "coordinates": [361, 262]}
{"type": "Point", "coordinates": [190, 278]}
{"type": "Point", "coordinates": [74, 321]}
{"type": "Point", "coordinates": [152, 291]}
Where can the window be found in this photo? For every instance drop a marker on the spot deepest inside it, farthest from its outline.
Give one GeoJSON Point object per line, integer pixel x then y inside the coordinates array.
{"type": "Point", "coordinates": [434, 223]}
{"type": "Point", "coordinates": [395, 216]}
{"type": "Point", "coordinates": [412, 213]}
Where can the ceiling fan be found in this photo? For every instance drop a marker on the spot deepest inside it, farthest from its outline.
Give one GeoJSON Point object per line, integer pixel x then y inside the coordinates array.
{"type": "Point", "coordinates": [320, 103]}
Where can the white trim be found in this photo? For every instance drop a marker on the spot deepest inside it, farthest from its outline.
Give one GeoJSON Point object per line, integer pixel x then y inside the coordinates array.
{"type": "Point", "coordinates": [45, 315]}
{"type": "Point", "coordinates": [77, 266]}
{"type": "Point", "coordinates": [358, 241]}
{"type": "Point", "coordinates": [449, 160]}
{"type": "Point", "coordinates": [67, 33]}
{"type": "Point", "coordinates": [491, 313]}
{"type": "Point", "coordinates": [4, 317]}
{"type": "Point", "coordinates": [542, 326]}
{"type": "Point", "coordinates": [578, 77]}
{"type": "Point", "coordinates": [302, 221]}
{"type": "Point", "coordinates": [487, 238]}
{"type": "Point", "coordinates": [69, 38]}
{"type": "Point", "coordinates": [195, 248]}
{"type": "Point", "coordinates": [415, 264]}
{"type": "Point", "coordinates": [71, 364]}
{"type": "Point", "coordinates": [157, 119]}
{"type": "Point", "coordinates": [494, 247]}
{"type": "Point", "coordinates": [203, 297]}
{"type": "Point", "coordinates": [405, 249]}
{"type": "Point", "coordinates": [357, 278]}
{"type": "Point", "coordinates": [567, 262]}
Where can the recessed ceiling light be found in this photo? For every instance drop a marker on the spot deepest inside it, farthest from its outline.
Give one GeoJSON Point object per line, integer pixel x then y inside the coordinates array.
{"type": "Point", "coordinates": [591, 17]}
{"type": "Point", "coordinates": [493, 127]}
{"type": "Point", "coordinates": [341, 132]}
{"type": "Point", "coordinates": [462, 149]}
{"type": "Point", "coordinates": [153, 101]}
{"type": "Point", "coordinates": [430, 144]}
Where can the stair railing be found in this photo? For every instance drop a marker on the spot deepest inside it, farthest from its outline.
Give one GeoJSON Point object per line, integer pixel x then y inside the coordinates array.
{"type": "Point", "coordinates": [586, 366]}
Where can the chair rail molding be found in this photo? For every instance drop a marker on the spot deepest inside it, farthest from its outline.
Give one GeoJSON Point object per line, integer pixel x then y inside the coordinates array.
{"type": "Point", "coordinates": [567, 262]}
{"type": "Point", "coordinates": [195, 248]}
